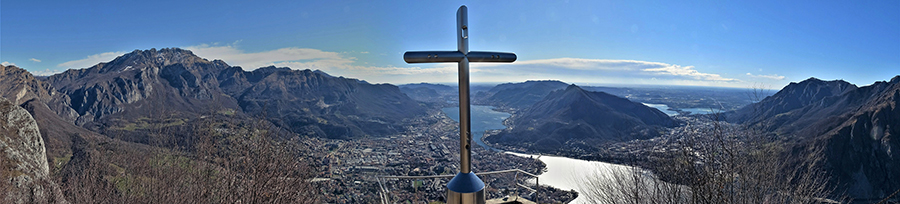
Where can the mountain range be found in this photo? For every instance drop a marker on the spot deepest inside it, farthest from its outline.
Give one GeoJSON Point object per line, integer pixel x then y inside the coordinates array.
{"type": "Point", "coordinates": [153, 100]}
{"type": "Point", "coordinates": [430, 92]}
{"type": "Point", "coordinates": [176, 85]}
{"type": "Point", "coordinates": [858, 127]}
{"type": "Point", "coordinates": [152, 103]}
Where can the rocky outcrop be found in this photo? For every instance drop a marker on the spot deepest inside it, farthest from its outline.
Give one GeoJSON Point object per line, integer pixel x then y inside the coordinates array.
{"type": "Point", "coordinates": [47, 106]}
{"type": "Point", "coordinates": [19, 86]}
{"type": "Point", "coordinates": [25, 173]}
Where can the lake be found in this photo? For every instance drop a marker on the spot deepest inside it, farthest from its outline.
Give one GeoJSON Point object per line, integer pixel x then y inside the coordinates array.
{"type": "Point", "coordinates": [702, 110]}
{"type": "Point", "coordinates": [483, 118]}
{"type": "Point", "coordinates": [562, 172]}
{"type": "Point", "coordinates": [662, 107]}
{"type": "Point", "coordinates": [665, 109]}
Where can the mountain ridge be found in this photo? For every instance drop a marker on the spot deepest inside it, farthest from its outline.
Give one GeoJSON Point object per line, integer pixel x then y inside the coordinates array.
{"type": "Point", "coordinates": [576, 117]}
{"type": "Point", "coordinates": [518, 95]}
{"type": "Point", "coordinates": [173, 82]}
{"type": "Point", "coordinates": [856, 126]}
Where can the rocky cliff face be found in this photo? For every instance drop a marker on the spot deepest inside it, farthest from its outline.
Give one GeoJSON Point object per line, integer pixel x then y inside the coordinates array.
{"type": "Point", "coordinates": [25, 173]}
{"type": "Point", "coordinates": [174, 85]}
{"type": "Point", "coordinates": [143, 83]}
{"type": "Point", "coordinates": [51, 109]}
{"type": "Point", "coordinates": [862, 145]}
{"type": "Point", "coordinates": [19, 86]}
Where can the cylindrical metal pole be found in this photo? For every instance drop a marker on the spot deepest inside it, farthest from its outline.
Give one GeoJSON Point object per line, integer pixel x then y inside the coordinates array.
{"type": "Point", "coordinates": [465, 187]}
{"type": "Point", "coordinates": [462, 29]}
{"type": "Point", "coordinates": [465, 120]}
{"type": "Point", "coordinates": [465, 130]}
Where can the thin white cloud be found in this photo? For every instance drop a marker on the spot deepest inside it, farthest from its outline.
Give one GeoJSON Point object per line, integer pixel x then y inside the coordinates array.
{"type": "Point", "coordinates": [251, 61]}
{"type": "Point", "coordinates": [339, 64]}
{"type": "Point", "coordinates": [617, 68]}
{"type": "Point", "coordinates": [770, 76]}
{"type": "Point", "coordinates": [334, 63]}
{"type": "Point", "coordinates": [5, 63]}
{"type": "Point", "coordinates": [34, 60]}
{"type": "Point", "coordinates": [568, 69]}
{"type": "Point", "coordinates": [689, 71]}
{"type": "Point", "coordinates": [47, 72]}
{"type": "Point", "coordinates": [90, 60]}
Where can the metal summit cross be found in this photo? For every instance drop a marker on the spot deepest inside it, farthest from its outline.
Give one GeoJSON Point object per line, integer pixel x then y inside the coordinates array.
{"type": "Point", "coordinates": [465, 187]}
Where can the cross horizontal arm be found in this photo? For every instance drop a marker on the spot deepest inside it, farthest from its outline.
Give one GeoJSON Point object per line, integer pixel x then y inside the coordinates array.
{"type": "Point", "coordinates": [432, 56]}
{"type": "Point", "coordinates": [475, 56]}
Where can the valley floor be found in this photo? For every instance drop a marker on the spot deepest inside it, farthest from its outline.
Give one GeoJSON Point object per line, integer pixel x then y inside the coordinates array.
{"type": "Point", "coordinates": [348, 169]}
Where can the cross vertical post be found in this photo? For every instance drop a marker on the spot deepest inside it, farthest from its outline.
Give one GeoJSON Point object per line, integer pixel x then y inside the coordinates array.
{"type": "Point", "coordinates": [465, 187]}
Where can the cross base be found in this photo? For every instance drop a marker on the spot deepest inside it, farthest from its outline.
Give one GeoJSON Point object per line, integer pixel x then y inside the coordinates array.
{"type": "Point", "coordinates": [475, 198]}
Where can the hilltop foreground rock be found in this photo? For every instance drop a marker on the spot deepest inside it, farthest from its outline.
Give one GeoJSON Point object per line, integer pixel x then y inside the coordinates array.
{"type": "Point", "coordinates": [25, 174]}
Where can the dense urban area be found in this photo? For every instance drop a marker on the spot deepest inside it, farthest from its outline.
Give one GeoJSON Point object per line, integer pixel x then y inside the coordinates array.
{"type": "Point", "coordinates": [351, 169]}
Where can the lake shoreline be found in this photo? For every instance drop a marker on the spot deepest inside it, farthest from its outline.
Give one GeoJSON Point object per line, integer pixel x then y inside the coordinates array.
{"type": "Point", "coordinates": [561, 172]}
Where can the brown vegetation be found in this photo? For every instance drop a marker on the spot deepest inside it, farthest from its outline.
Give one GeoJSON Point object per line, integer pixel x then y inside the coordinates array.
{"type": "Point", "coordinates": [724, 164]}
{"type": "Point", "coordinates": [720, 162]}
{"type": "Point", "coordinates": [226, 164]}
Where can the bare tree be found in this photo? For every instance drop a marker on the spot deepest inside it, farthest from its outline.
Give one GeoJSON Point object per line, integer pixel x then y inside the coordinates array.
{"type": "Point", "coordinates": [718, 162]}
{"type": "Point", "coordinates": [228, 162]}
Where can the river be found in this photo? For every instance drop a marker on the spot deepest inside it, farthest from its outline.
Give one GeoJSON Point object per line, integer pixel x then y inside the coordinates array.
{"type": "Point", "coordinates": [562, 172]}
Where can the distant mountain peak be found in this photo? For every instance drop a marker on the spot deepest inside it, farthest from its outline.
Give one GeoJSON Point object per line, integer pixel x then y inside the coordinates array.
{"type": "Point", "coordinates": [322, 73]}
{"type": "Point", "coordinates": [522, 94]}
{"type": "Point", "coordinates": [163, 56]}
{"type": "Point", "coordinates": [271, 69]}
{"type": "Point", "coordinates": [814, 80]}
{"type": "Point", "coordinates": [573, 117]}
{"type": "Point", "coordinates": [548, 80]}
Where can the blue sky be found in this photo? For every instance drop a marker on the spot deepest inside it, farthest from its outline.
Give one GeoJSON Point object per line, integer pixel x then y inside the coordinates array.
{"type": "Point", "coordinates": [707, 43]}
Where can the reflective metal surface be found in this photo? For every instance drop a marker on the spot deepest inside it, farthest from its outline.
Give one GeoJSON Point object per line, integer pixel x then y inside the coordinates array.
{"type": "Point", "coordinates": [433, 56]}
{"type": "Point", "coordinates": [463, 57]}
{"type": "Point", "coordinates": [476, 56]}
{"type": "Point", "coordinates": [474, 198]}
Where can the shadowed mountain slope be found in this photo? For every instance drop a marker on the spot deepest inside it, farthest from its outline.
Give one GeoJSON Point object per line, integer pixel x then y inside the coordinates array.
{"type": "Point", "coordinates": [858, 127]}
{"type": "Point", "coordinates": [430, 92]}
{"type": "Point", "coordinates": [144, 83]}
{"type": "Point", "coordinates": [314, 103]}
{"type": "Point", "coordinates": [793, 106]}
{"type": "Point", "coordinates": [575, 117]}
{"type": "Point", "coordinates": [518, 95]}
{"type": "Point", "coordinates": [174, 85]}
